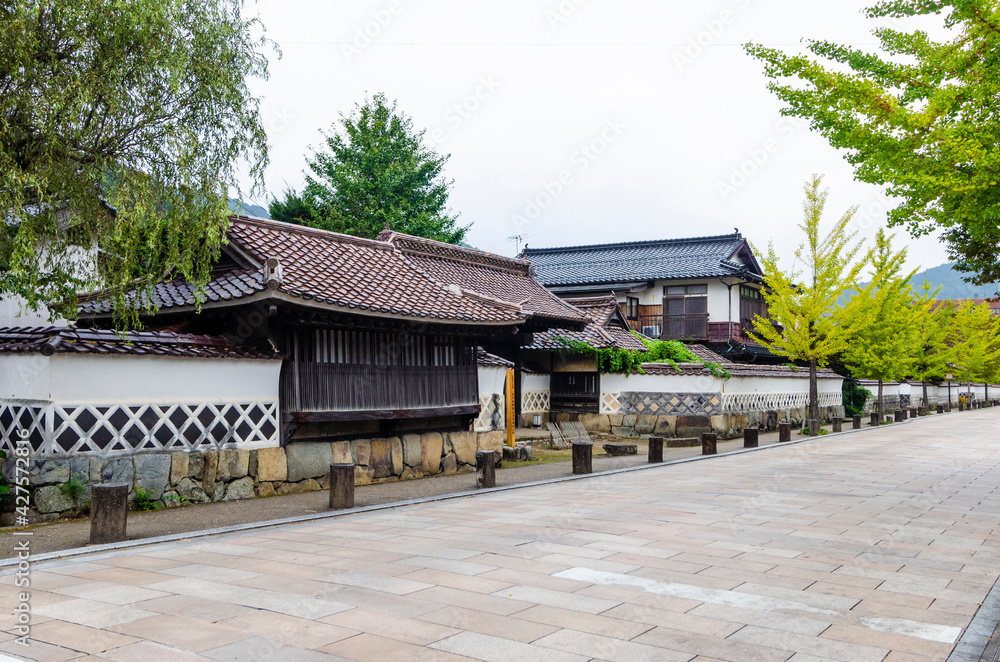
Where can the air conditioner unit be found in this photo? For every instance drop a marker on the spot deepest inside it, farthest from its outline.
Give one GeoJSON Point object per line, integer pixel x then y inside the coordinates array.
{"type": "Point", "coordinates": [651, 331]}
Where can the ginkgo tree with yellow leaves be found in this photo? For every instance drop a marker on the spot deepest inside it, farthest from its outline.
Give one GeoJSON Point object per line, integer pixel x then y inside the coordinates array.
{"type": "Point", "coordinates": [931, 320]}
{"type": "Point", "coordinates": [804, 305]}
{"type": "Point", "coordinates": [974, 337]}
{"type": "Point", "coordinates": [879, 320]}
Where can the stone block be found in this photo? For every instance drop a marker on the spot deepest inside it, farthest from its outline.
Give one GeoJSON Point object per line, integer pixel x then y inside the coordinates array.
{"type": "Point", "coordinates": [431, 445]}
{"type": "Point", "coordinates": [645, 424]}
{"type": "Point", "coordinates": [363, 475]}
{"type": "Point", "coordinates": [411, 450]}
{"type": "Point", "coordinates": [465, 446]}
{"type": "Point", "coordinates": [171, 499]}
{"type": "Point", "coordinates": [396, 445]}
{"type": "Point", "coordinates": [666, 426]}
{"type": "Point", "coordinates": [307, 460]}
{"type": "Point", "coordinates": [109, 513]}
{"type": "Point", "coordinates": [616, 419]}
{"type": "Point", "coordinates": [40, 472]}
{"type": "Point", "coordinates": [381, 457]}
{"type": "Point", "coordinates": [409, 474]}
{"type": "Point", "coordinates": [233, 463]}
{"type": "Point", "coordinates": [220, 492]}
{"type": "Point", "coordinates": [449, 464]}
{"type": "Point", "coordinates": [361, 450]}
{"type": "Point", "coordinates": [492, 441]}
{"type": "Point", "coordinates": [693, 425]}
{"type": "Point", "coordinates": [308, 485]}
{"type": "Point", "coordinates": [596, 423]}
{"type": "Point", "coordinates": [628, 420]}
{"type": "Point", "coordinates": [196, 466]}
{"type": "Point", "coordinates": [179, 465]}
{"type": "Point", "coordinates": [265, 489]}
{"type": "Point", "coordinates": [621, 449]}
{"type": "Point", "coordinates": [271, 464]}
{"type": "Point", "coordinates": [152, 472]}
{"type": "Point", "coordinates": [341, 452]}
{"type": "Point", "coordinates": [192, 491]}
{"type": "Point", "coordinates": [622, 431]}
{"type": "Point", "coordinates": [241, 488]}
{"type": "Point", "coordinates": [50, 499]}
{"type": "Point", "coordinates": [211, 465]}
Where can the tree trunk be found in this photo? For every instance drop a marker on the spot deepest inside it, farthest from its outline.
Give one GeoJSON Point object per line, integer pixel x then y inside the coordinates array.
{"type": "Point", "coordinates": [925, 403]}
{"type": "Point", "coordinates": [813, 391]}
{"type": "Point", "coordinates": [881, 405]}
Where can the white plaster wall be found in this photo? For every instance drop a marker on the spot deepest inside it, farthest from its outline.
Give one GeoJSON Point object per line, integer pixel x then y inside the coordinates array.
{"type": "Point", "coordinates": [661, 383]}
{"type": "Point", "coordinates": [531, 382]}
{"type": "Point", "coordinates": [97, 379]}
{"type": "Point", "coordinates": [491, 379]}
{"type": "Point", "coordinates": [888, 388]}
{"type": "Point", "coordinates": [12, 314]}
{"type": "Point", "coordinates": [720, 309]}
{"type": "Point", "coordinates": [794, 384]}
{"type": "Point", "coordinates": [24, 377]}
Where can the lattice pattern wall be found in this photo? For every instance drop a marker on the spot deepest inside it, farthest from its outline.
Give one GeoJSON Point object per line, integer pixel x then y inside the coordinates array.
{"type": "Point", "coordinates": [491, 412]}
{"type": "Point", "coordinates": [64, 429]}
{"type": "Point", "coordinates": [535, 402]}
{"type": "Point", "coordinates": [742, 403]}
{"type": "Point", "coordinates": [661, 404]}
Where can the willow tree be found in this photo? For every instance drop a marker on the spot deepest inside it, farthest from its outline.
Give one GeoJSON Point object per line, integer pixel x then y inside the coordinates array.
{"type": "Point", "coordinates": [920, 118]}
{"type": "Point", "coordinates": [123, 124]}
{"type": "Point", "coordinates": [803, 305]}
{"type": "Point", "coordinates": [879, 320]}
{"type": "Point", "coordinates": [931, 319]}
{"type": "Point", "coordinates": [974, 336]}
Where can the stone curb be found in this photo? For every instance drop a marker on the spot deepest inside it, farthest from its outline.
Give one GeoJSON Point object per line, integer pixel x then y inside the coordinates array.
{"type": "Point", "coordinates": [301, 519]}
{"type": "Point", "coordinates": [971, 647]}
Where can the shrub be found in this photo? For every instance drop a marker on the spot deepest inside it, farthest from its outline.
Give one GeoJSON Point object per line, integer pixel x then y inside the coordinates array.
{"type": "Point", "coordinates": [144, 500]}
{"type": "Point", "coordinates": [856, 397]}
{"type": "Point", "coordinates": [73, 488]}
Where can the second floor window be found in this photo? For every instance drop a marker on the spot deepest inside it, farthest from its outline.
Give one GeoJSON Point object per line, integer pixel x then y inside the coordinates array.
{"type": "Point", "coordinates": [685, 311]}
{"type": "Point", "coordinates": [632, 308]}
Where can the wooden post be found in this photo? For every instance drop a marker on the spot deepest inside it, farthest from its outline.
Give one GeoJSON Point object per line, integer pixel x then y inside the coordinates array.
{"type": "Point", "coordinates": [751, 437]}
{"type": "Point", "coordinates": [961, 406]}
{"type": "Point", "coordinates": [709, 443]}
{"type": "Point", "coordinates": [875, 419]}
{"type": "Point", "coordinates": [655, 450]}
{"type": "Point", "coordinates": [486, 465]}
{"type": "Point", "coordinates": [922, 410]}
{"type": "Point", "coordinates": [509, 393]}
{"type": "Point", "coordinates": [583, 457]}
{"type": "Point", "coordinates": [838, 424]}
{"type": "Point", "coordinates": [856, 422]}
{"type": "Point", "coordinates": [813, 427]}
{"type": "Point", "coordinates": [940, 409]}
{"type": "Point", "coordinates": [108, 513]}
{"type": "Point", "coordinates": [914, 412]}
{"type": "Point", "coordinates": [899, 415]}
{"type": "Point", "coordinates": [784, 432]}
{"type": "Point", "coordinates": [341, 486]}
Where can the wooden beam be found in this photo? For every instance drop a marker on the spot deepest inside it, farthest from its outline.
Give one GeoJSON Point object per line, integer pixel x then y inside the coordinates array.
{"type": "Point", "coordinates": [374, 415]}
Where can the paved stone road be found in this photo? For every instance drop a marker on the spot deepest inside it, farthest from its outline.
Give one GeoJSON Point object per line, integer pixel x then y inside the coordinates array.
{"type": "Point", "coordinates": [873, 546]}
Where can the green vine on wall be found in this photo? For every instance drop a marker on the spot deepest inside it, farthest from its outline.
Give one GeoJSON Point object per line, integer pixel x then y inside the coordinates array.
{"type": "Point", "coordinates": [627, 361]}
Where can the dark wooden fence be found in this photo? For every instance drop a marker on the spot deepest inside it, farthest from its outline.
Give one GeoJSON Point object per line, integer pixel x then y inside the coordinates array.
{"type": "Point", "coordinates": [575, 392]}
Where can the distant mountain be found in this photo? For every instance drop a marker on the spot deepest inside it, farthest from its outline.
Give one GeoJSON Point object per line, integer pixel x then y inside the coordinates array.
{"type": "Point", "coordinates": [238, 207]}
{"type": "Point", "coordinates": [952, 285]}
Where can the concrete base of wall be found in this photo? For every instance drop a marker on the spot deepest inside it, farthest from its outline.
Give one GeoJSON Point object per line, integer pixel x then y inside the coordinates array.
{"type": "Point", "coordinates": [232, 474]}
{"type": "Point", "coordinates": [726, 426]}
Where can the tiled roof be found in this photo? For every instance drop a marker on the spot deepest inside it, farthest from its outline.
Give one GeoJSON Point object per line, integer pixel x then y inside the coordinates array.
{"type": "Point", "coordinates": [735, 369]}
{"type": "Point", "coordinates": [492, 276]}
{"type": "Point", "coordinates": [697, 257]}
{"type": "Point", "coordinates": [486, 359]}
{"type": "Point", "coordinates": [49, 340]}
{"type": "Point", "coordinates": [368, 276]}
{"type": "Point", "coordinates": [603, 332]}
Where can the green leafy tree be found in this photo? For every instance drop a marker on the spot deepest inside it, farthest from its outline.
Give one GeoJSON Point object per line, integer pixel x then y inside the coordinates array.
{"type": "Point", "coordinates": [122, 126]}
{"type": "Point", "coordinates": [921, 120]}
{"type": "Point", "coordinates": [375, 172]}
{"type": "Point", "coordinates": [804, 304]}
{"type": "Point", "coordinates": [879, 320]}
{"type": "Point", "coordinates": [974, 335]}
{"type": "Point", "coordinates": [931, 319]}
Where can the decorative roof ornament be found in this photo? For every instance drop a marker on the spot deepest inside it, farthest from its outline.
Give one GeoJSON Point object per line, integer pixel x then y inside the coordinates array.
{"type": "Point", "coordinates": [272, 273]}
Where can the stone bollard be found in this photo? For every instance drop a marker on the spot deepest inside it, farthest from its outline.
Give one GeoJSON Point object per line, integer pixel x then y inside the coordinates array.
{"type": "Point", "coordinates": [813, 427]}
{"type": "Point", "coordinates": [922, 411]}
{"type": "Point", "coordinates": [655, 450]}
{"type": "Point", "coordinates": [583, 454]}
{"type": "Point", "coordinates": [108, 513]}
{"type": "Point", "coordinates": [899, 415]}
{"type": "Point", "coordinates": [784, 432]}
{"type": "Point", "coordinates": [940, 409]}
{"type": "Point", "coordinates": [947, 408]}
{"type": "Point", "coordinates": [890, 419]}
{"type": "Point", "coordinates": [341, 486]}
{"type": "Point", "coordinates": [486, 465]}
{"type": "Point", "coordinates": [875, 419]}
{"type": "Point", "coordinates": [750, 437]}
{"type": "Point", "coordinates": [856, 422]}
{"type": "Point", "coordinates": [838, 424]}
{"type": "Point", "coordinates": [961, 406]}
{"type": "Point", "coordinates": [914, 412]}
{"type": "Point", "coordinates": [709, 443]}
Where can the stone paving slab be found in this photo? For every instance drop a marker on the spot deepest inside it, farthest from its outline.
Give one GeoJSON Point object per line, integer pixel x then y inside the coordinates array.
{"type": "Point", "coordinates": [876, 546]}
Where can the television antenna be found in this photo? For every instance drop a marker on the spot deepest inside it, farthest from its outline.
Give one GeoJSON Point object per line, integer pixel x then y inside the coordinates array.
{"type": "Point", "coordinates": [518, 239]}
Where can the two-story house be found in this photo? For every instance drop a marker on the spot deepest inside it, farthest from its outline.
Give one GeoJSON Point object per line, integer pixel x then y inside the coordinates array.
{"type": "Point", "coordinates": [698, 289]}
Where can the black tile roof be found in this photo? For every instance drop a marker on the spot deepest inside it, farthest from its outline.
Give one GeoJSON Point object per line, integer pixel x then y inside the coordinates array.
{"type": "Point", "coordinates": [49, 340]}
{"type": "Point", "coordinates": [695, 257]}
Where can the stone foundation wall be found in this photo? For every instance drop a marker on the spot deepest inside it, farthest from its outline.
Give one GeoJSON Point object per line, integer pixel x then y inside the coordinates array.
{"type": "Point", "coordinates": [727, 426]}
{"type": "Point", "coordinates": [232, 474]}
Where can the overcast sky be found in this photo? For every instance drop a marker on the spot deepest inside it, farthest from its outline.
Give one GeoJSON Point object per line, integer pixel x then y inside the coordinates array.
{"type": "Point", "coordinates": [578, 121]}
